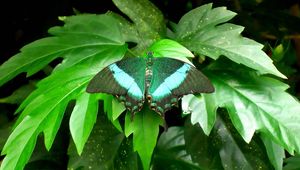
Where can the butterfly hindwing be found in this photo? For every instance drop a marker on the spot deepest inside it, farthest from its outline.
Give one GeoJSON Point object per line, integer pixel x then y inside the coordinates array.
{"type": "Point", "coordinates": [171, 80]}
{"type": "Point", "coordinates": [124, 79]}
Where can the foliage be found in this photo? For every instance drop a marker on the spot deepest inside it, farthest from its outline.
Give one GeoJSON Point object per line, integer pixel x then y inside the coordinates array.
{"type": "Point", "coordinates": [247, 123]}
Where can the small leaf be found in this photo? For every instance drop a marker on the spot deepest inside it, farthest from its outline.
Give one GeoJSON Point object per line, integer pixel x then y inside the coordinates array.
{"type": "Point", "coordinates": [170, 48]}
{"type": "Point", "coordinates": [129, 125]}
{"type": "Point", "coordinates": [201, 30]}
{"type": "Point", "coordinates": [118, 108]}
{"type": "Point", "coordinates": [202, 110]}
{"type": "Point", "coordinates": [82, 119]}
{"type": "Point", "coordinates": [146, 128]}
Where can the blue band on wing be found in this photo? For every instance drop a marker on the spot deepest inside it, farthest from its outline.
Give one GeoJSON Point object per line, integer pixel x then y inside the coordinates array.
{"type": "Point", "coordinates": [172, 82]}
{"type": "Point", "coordinates": [126, 81]}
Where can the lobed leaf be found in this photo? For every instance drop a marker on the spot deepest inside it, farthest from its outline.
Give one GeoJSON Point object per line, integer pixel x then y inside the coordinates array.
{"type": "Point", "coordinates": [43, 109]}
{"type": "Point", "coordinates": [76, 36]}
{"type": "Point", "coordinates": [201, 30]}
{"type": "Point", "coordinates": [255, 104]}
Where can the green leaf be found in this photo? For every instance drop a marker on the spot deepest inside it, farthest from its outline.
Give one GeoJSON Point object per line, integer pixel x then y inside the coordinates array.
{"type": "Point", "coordinates": [106, 148]}
{"type": "Point", "coordinates": [118, 108]}
{"type": "Point", "coordinates": [129, 125]}
{"type": "Point", "coordinates": [111, 110]}
{"type": "Point", "coordinates": [170, 152]}
{"type": "Point", "coordinates": [202, 18]}
{"type": "Point", "coordinates": [82, 119]}
{"type": "Point", "coordinates": [202, 31]}
{"type": "Point", "coordinates": [224, 148]}
{"type": "Point", "coordinates": [202, 148]}
{"type": "Point", "coordinates": [170, 48]}
{"type": "Point", "coordinates": [234, 152]}
{"type": "Point", "coordinates": [275, 152]}
{"type": "Point", "coordinates": [53, 122]}
{"type": "Point", "coordinates": [45, 105]}
{"type": "Point", "coordinates": [128, 29]}
{"type": "Point", "coordinates": [77, 36]}
{"type": "Point", "coordinates": [202, 110]}
{"type": "Point", "coordinates": [292, 163]}
{"type": "Point", "coordinates": [147, 20]}
{"type": "Point", "coordinates": [256, 103]}
{"type": "Point", "coordinates": [103, 28]}
{"type": "Point", "coordinates": [146, 128]}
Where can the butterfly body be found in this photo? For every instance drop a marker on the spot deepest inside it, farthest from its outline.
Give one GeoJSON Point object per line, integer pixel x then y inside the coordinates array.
{"type": "Point", "coordinates": [159, 81]}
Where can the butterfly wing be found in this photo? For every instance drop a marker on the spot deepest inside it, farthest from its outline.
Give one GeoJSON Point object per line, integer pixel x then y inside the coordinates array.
{"type": "Point", "coordinates": [124, 79]}
{"type": "Point", "coordinates": [171, 80]}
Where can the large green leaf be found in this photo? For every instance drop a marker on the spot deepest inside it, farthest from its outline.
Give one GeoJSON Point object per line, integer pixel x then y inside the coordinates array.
{"type": "Point", "coordinates": [255, 103]}
{"type": "Point", "coordinates": [201, 30]}
{"type": "Point", "coordinates": [43, 109]}
{"type": "Point", "coordinates": [77, 36]}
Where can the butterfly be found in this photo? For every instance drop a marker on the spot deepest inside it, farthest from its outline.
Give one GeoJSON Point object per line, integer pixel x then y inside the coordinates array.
{"type": "Point", "coordinates": [161, 81]}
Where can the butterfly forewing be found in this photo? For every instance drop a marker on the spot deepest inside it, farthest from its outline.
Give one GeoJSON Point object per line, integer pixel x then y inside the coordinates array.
{"type": "Point", "coordinates": [124, 79]}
